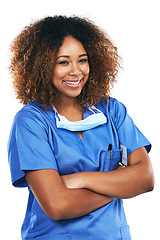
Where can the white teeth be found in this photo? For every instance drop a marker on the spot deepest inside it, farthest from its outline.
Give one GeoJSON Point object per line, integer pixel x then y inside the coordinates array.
{"type": "Point", "coordinates": [73, 83]}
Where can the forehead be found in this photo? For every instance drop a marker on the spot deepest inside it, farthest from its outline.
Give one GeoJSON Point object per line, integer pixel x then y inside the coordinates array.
{"type": "Point", "coordinates": [71, 46]}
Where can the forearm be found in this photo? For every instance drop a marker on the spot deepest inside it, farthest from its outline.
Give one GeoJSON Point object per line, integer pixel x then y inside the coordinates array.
{"type": "Point", "coordinates": [59, 202]}
{"type": "Point", "coordinates": [125, 183]}
{"type": "Point", "coordinates": [79, 202]}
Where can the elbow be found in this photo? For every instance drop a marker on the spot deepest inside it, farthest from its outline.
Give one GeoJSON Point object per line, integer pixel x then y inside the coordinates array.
{"type": "Point", "coordinates": [149, 183]}
{"type": "Point", "coordinates": [55, 215]}
{"type": "Point", "coordinates": [57, 212]}
{"type": "Point", "coordinates": [147, 179]}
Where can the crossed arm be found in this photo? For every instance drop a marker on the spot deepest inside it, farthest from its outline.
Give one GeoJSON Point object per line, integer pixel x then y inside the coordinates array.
{"type": "Point", "coordinates": [78, 194]}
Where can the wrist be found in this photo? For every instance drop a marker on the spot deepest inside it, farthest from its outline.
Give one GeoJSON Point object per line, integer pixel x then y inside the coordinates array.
{"type": "Point", "coordinates": [85, 178]}
{"type": "Point", "coordinates": [81, 176]}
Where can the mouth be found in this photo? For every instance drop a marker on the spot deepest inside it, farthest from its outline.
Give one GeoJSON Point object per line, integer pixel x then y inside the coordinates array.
{"type": "Point", "coordinates": [75, 83]}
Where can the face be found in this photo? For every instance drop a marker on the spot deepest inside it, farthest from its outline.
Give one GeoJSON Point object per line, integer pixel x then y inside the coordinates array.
{"type": "Point", "coordinates": [72, 69]}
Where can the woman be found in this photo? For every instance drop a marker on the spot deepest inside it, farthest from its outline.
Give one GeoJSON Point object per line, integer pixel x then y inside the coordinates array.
{"type": "Point", "coordinates": [73, 146]}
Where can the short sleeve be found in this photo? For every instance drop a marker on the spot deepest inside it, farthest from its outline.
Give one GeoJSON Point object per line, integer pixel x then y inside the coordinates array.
{"type": "Point", "coordinates": [28, 147]}
{"type": "Point", "coordinates": [129, 135]}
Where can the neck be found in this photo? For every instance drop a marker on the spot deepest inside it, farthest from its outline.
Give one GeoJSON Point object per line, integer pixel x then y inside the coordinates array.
{"type": "Point", "coordinates": [66, 104]}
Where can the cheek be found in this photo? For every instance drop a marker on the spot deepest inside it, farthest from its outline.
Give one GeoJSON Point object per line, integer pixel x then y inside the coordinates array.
{"type": "Point", "coordinates": [86, 70]}
{"type": "Point", "coordinates": [59, 72]}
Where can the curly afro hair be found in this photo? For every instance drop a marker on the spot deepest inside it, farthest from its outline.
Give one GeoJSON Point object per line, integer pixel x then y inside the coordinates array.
{"type": "Point", "coordinates": [34, 53]}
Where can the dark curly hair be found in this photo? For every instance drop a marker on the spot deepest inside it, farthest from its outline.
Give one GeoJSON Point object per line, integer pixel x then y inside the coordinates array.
{"type": "Point", "coordinates": [34, 53]}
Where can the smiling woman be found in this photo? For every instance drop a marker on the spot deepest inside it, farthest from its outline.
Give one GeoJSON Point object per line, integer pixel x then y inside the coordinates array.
{"type": "Point", "coordinates": [67, 143]}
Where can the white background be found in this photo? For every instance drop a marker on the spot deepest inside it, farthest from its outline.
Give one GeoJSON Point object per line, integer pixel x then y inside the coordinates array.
{"type": "Point", "coordinates": [134, 27]}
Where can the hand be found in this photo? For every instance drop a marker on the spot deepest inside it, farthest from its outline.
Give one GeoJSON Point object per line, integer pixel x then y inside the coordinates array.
{"type": "Point", "coordinates": [73, 181]}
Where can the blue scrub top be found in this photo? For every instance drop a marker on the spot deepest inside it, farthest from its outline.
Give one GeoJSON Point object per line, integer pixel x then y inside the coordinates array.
{"type": "Point", "coordinates": [36, 143]}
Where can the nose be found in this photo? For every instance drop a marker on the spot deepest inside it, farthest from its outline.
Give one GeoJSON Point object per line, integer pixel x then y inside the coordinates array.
{"type": "Point", "coordinates": [75, 70]}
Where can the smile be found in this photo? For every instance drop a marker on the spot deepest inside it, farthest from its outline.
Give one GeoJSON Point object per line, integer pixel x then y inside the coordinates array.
{"type": "Point", "coordinates": [73, 83]}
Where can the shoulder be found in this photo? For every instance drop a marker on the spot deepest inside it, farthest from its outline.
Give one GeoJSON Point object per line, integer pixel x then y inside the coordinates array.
{"type": "Point", "coordinates": [31, 109]}
{"type": "Point", "coordinates": [31, 116]}
{"type": "Point", "coordinates": [114, 110]}
{"type": "Point", "coordinates": [111, 106]}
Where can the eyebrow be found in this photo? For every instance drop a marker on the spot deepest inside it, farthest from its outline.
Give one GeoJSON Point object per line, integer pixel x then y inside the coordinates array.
{"type": "Point", "coordinates": [65, 56]}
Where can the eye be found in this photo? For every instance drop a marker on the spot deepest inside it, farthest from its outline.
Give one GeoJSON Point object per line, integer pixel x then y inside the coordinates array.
{"type": "Point", "coordinates": [63, 63]}
{"type": "Point", "coordinates": [83, 60]}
